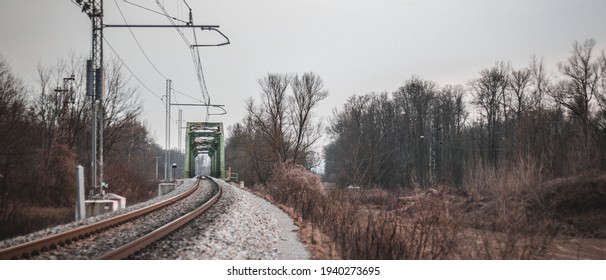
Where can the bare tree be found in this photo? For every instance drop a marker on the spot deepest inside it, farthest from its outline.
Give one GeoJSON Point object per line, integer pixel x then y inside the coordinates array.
{"type": "Point", "coordinates": [489, 95]}
{"type": "Point", "coordinates": [121, 108]}
{"type": "Point", "coordinates": [269, 119]}
{"type": "Point", "coordinates": [416, 99]}
{"type": "Point", "coordinates": [308, 91]}
{"type": "Point", "coordinates": [540, 82]}
{"type": "Point", "coordinates": [581, 85]}
{"type": "Point", "coordinates": [519, 85]}
{"type": "Point", "coordinates": [14, 144]}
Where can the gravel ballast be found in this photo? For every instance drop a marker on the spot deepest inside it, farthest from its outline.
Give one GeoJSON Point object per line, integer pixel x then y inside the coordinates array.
{"type": "Point", "coordinates": [184, 186]}
{"type": "Point", "coordinates": [240, 226]}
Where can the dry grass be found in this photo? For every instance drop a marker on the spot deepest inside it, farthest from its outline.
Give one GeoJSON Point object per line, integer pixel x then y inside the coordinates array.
{"type": "Point", "coordinates": [30, 219]}
{"type": "Point", "coordinates": [363, 224]}
{"type": "Point", "coordinates": [503, 214]}
{"type": "Point", "coordinates": [498, 206]}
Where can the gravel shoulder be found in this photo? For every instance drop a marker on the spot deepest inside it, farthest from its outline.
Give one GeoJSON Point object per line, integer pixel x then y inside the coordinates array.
{"type": "Point", "coordinates": [288, 245]}
{"type": "Point", "coordinates": [241, 226]}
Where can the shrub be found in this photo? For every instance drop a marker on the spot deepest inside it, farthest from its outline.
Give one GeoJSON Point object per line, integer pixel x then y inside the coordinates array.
{"type": "Point", "coordinates": [362, 224]}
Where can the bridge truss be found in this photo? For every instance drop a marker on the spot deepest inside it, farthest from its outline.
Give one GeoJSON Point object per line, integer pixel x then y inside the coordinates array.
{"type": "Point", "coordinates": [205, 138]}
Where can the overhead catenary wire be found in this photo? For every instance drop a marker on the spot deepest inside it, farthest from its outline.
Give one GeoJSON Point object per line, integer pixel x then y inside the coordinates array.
{"type": "Point", "coordinates": [173, 23]}
{"type": "Point", "coordinates": [130, 71]}
{"type": "Point", "coordinates": [194, 53]}
{"type": "Point", "coordinates": [199, 70]}
{"type": "Point", "coordinates": [133, 74]}
{"type": "Point", "coordinates": [187, 95]}
{"type": "Point", "coordinates": [197, 61]}
{"type": "Point", "coordinates": [139, 44]}
{"type": "Point", "coordinates": [150, 10]}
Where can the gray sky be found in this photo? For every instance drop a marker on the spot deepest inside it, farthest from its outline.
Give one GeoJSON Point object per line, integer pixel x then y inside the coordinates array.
{"type": "Point", "coordinates": [356, 46]}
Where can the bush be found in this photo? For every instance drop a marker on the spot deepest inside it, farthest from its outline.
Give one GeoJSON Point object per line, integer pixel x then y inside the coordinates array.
{"type": "Point", "coordinates": [492, 222]}
{"type": "Point", "coordinates": [356, 227]}
{"type": "Point", "coordinates": [498, 206]}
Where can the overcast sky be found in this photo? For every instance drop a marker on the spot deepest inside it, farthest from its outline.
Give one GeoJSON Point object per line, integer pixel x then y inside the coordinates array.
{"type": "Point", "coordinates": [356, 46]}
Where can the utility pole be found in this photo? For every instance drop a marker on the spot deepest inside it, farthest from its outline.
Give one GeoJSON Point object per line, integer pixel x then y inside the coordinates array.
{"type": "Point", "coordinates": [66, 97]}
{"type": "Point", "coordinates": [180, 143]}
{"type": "Point", "coordinates": [180, 121]}
{"type": "Point", "coordinates": [95, 89]}
{"type": "Point", "coordinates": [167, 146]}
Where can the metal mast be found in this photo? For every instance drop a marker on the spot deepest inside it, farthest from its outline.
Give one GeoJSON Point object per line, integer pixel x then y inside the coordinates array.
{"type": "Point", "coordinates": [180, 127]}
{"type": "Point", "coordinates": [167, 147]}
{"type": "Point", "coordinates": [95, 89]}
{"type": "Point", "coordinates": [97, 55]}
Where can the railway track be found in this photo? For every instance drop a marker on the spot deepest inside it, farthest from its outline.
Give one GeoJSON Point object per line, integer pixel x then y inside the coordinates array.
{"type": "Point", "coordinates": [113, 226]}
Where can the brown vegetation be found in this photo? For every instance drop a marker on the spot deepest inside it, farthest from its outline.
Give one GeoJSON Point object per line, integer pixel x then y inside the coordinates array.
{"type": "Point", "coordinates": [436, 176]}
{"type": "Point", "coordinates": [506, 222]}
{"type": "Point", "coordinates": [44, 135]}
{"type": "Point", "coordinates": [359, 225]}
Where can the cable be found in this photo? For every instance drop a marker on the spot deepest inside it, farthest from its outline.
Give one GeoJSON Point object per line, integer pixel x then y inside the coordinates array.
{"type": "Point", "coordinates": [138, 44]}
{"type": "Point", "coordinates": [148, 9]}
{"type": "Point", "coordinates": [129, 70]}
{"type": "Point", "coordinates": [187, 95]}
{"type": "Point", "coordinates": [195, 55]}
{"type": "Point", "coordinates": [175, 97]}
{"type": "Point", "coordinates": [199, 71]}
{"type": "Point", "coordinates": [173, 23]}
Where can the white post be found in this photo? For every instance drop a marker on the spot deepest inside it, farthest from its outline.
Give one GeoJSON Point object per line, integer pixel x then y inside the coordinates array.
{"type": "Point", "coordinates": [157, 168]}
{"type": "Point", "coordinates": [80, 210]}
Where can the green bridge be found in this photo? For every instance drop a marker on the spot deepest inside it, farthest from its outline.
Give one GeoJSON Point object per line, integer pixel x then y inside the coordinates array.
{"type": "Point", "coordinates": [205, 138]}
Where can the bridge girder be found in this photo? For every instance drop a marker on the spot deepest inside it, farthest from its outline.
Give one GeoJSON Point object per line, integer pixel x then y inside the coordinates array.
{"type": "Point", "coordinates": [205, 138]}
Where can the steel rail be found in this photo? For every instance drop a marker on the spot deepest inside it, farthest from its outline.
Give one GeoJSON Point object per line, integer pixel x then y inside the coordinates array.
{"type": "Point", "coordinates": [144, 241]}
{"type": "Point", "coordinates": [43, 244]}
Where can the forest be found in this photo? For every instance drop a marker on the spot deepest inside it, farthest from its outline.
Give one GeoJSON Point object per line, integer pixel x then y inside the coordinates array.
{"type": "Point", "coordinates": [424, 134]}
{"type": "Point", "coordinates": [504, 166]}
{"type": "Point", "coordinates": [45, 134]}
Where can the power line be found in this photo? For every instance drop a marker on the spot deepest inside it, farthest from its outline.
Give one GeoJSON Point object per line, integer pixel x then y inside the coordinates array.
{"type": "Point", "coordinates": [129, 70]}
{"type": "Point", "coordinates": [187, 95]}
{"type": "Point", "coordinates": [173, 23]}
{"type": "Point", "coordinates": [199, 71]}
{"type": "Point", "coordinates": [150, 10]}
{"type": "Point", "coordinates": [195, 55]}
{"type": "Point", "coordinates": [138, 44]}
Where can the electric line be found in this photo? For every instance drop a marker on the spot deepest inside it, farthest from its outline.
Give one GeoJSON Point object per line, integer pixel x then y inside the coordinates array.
{"type": "Point", "coordinates": [173, 23]}
{"type": "Point", "coordinates": [129, 70]}
{"type": "Point", "coordinates": [195, 55]}
{"type": "Point", "coordinates": [200, 72]}
{"type": "Point", "coordinates": [138, 44]}
{"type": "Point", "coordinates": [175, 97]}
{"type": "Point", "coordinates": [148, 9]}
{"type": "Point", "coordinates": [187, 95]}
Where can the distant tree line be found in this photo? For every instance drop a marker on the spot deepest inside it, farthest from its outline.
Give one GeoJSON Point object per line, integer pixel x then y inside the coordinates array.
{"type": "Point", "coordinates": [423, 134]}
{"type": "Point", "coordinates": [45, 134]}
